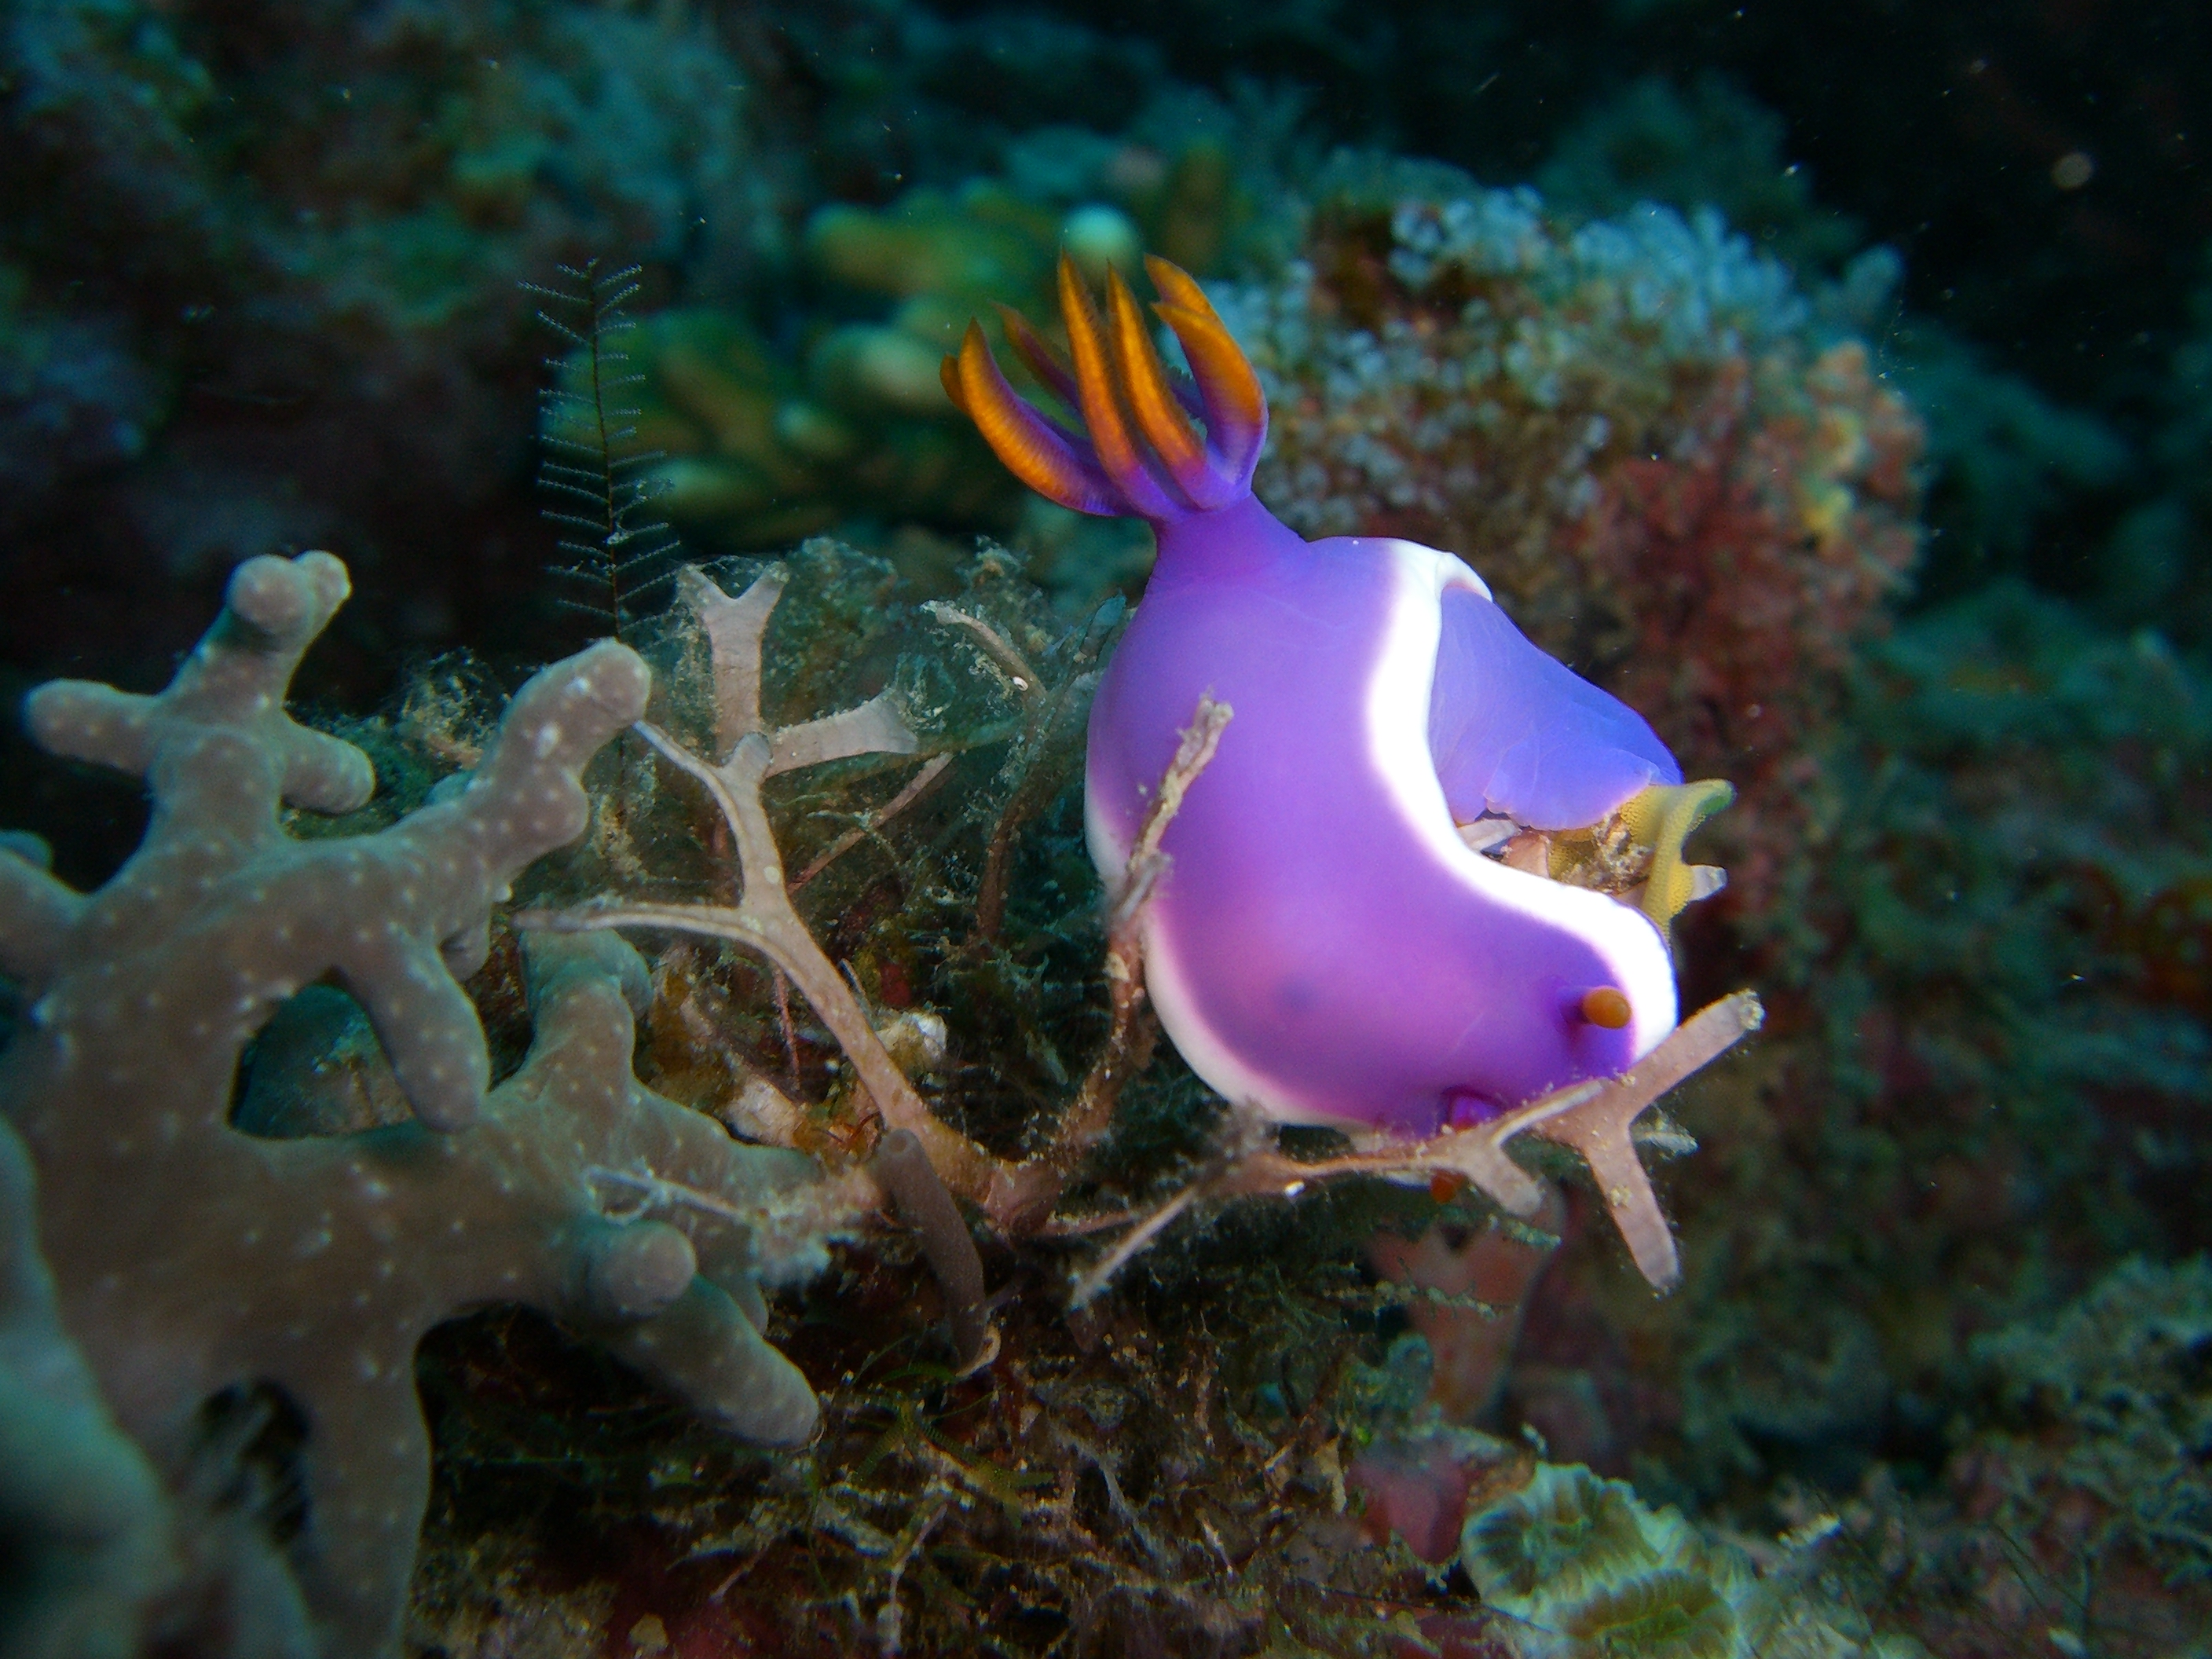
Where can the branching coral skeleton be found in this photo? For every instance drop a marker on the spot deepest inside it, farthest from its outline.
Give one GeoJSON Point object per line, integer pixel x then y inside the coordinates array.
{"type": "Point", "coordinates": [1594, 1119]}
{"type": "Point", "coordinates": [1016, 1197]}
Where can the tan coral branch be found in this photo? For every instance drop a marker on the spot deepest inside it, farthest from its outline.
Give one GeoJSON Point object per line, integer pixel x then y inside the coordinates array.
{"type": "Point", "coordinates": [1015, 1198]}
{"type": "Point", "coordinates": [1593, 1118]}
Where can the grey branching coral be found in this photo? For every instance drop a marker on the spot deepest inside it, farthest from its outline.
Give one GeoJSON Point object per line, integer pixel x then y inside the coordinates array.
{"type": "Point", "coordinates": [190, 1257]}
{"type": "Point", "coordinates": [83, 1527]}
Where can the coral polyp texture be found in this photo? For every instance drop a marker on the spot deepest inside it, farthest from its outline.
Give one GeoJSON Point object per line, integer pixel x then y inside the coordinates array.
{"type": "Point", "coordinates": [191, 1257]}
{"type": "Point", "coordinates": [1668, 472]}
{"type": "Point", "coordinates": [1576, 1566]}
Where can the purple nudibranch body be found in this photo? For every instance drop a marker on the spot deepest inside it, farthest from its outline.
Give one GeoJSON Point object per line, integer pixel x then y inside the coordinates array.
{"type": "Point", "coordinates": [1327, 946]}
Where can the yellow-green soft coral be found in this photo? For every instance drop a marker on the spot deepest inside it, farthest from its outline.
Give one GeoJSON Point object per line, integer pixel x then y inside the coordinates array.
{"type": "Point", "coordinates": [765, 448]}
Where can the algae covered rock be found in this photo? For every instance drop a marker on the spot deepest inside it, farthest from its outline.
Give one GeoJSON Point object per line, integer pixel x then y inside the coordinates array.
{"type": "Point", "coordinates": [2109, 1405]}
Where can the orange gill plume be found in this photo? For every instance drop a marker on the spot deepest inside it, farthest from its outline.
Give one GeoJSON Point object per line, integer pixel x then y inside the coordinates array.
{"type": "Point", "coordinates": [1137, 450]}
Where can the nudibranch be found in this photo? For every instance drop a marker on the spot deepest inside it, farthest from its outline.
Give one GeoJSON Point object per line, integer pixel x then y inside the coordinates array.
{"type": "Point", "coordinates": [1427, 875]}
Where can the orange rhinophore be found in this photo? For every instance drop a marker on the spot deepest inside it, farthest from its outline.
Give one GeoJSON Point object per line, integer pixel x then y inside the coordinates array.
{"type": "Point", "coordinates": [1138, 448]}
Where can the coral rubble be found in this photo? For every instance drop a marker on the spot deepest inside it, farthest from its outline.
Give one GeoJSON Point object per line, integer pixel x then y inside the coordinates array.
{"type": "Point", "coordinates": [2071, 1511]}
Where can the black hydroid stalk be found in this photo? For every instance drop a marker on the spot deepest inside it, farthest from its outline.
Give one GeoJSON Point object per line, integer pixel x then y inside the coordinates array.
{"type": "Point", "coordinates": [614, 549]}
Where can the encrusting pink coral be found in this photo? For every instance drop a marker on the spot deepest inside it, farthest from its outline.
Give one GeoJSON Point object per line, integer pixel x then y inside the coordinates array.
{"type": "Point", "coordinates": [191, 1257]}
